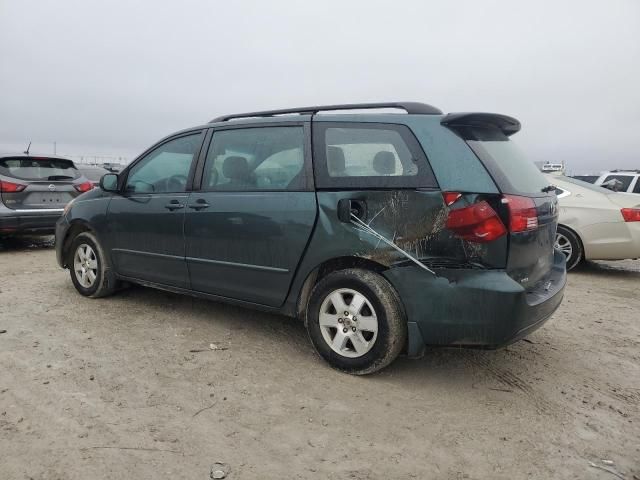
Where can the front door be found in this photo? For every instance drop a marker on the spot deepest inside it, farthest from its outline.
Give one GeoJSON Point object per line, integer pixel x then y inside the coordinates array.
{"type": "Point", "coordinates": [248, 225]}
{"type": "Point", "coordinates": [146, 221]}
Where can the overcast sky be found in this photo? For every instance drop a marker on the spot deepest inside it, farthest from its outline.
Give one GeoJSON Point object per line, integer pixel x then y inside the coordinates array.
{"type": "Point", "coordinates": [113, 77]}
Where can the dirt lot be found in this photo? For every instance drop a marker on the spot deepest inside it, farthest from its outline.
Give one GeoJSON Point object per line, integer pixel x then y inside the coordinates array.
{"type": "Point", "coordinates": [127, 387]}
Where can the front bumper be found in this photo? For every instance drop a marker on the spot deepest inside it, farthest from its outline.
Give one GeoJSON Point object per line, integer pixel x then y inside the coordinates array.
{"type": "Point", "coordinates": [62, 225]}
{"type": "Point", "coordinates": [482, 308]}
{"type": "Point", "coordinates": [15, 222]}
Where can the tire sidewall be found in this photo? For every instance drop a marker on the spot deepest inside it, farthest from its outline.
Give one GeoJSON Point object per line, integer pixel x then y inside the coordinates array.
{"type": "Point", "coordinates": [576, 247]}
{"type": "Point", "coordinates": [382, 344]}
{"type": "Point", "coordinates": [88, 239]}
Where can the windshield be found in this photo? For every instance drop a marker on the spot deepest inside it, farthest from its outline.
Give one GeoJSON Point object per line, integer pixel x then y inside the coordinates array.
{"type": "Point", "coordinates": [510, 168]}
{"type": "Point", "coordinates": [29, 168]}
{"type": "Point", "coordinates": [589, 186]}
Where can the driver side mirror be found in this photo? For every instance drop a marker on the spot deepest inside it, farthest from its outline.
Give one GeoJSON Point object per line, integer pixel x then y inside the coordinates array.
{"type": "Point", "coordinates": [109, 182]}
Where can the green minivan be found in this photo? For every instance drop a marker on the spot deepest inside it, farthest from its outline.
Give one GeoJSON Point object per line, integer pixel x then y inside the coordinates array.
{"type": "Point", "coordinates": [385, 227]}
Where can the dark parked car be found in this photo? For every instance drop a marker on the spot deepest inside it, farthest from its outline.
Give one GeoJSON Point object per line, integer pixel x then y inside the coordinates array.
{"type": "Point", "coordinates": [92, 172]}
{"type": "Point", "coordinates": [385, 232]}
{"type": "Point", "coordinates": [34, 191]}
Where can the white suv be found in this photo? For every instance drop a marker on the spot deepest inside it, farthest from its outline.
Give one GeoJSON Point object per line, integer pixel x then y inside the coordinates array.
{"type": "Point", "coordinates": [617, 180]}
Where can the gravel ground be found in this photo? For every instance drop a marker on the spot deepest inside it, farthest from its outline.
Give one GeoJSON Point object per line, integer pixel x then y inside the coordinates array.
{"type": "Point", "coordinates": [128, 387]}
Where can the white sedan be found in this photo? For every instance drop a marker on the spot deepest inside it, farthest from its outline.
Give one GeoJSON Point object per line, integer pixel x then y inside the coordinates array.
{"type": "Point", "coordinates": [595, 223]}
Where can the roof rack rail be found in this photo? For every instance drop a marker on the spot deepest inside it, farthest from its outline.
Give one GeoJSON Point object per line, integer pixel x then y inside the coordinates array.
{"type": "Point", "coordinates": [634, 170]}
{"type": "Point", "coordinates": [409, 107]}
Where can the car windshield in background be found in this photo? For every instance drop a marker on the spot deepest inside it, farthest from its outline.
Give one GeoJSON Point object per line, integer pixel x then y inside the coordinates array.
{"type": "Point", "coordinates": [506, 163]}
{"type": "Point", "coordinates": [28, 168]}
{"type": "Point", "coordinates": [586, 178]}
{"type": "Point", "coordinates": [587, 185]}
{"type": "Point", "coordinates": [93, 174]}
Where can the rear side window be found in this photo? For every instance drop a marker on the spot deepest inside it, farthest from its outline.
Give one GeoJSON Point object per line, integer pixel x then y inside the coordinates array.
{"type": "Point", "coordinates": [49, 169]}
{"type": "Point", "coordinates": [512, 171]}
{"type": "Point", "coordinates": [364, 155]}
{"type": "Point", "coordinates": [636, 189]}
{"type": "Point", "coordinates": [625, 180]}
{"type": "Point", "coordinates": [256, 159]}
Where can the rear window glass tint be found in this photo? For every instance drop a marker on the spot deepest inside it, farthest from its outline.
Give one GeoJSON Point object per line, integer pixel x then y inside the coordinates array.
{"type": "Point", "coordinates": [510, 168]}
{"type": "Point", "coordinates": [50, 169]}
{"type": "Point", "coordinates": [636, 189]}
{"type": "Point", "coordinates": [356, 155]}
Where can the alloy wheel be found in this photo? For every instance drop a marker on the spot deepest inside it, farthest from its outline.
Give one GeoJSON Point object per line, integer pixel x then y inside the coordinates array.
{"type": "Point", "coordinates": [85, 265]}
{"type": "Point", "coordinates": [564, 245]}
{"type": "Point", "coordinates": [348, 322]}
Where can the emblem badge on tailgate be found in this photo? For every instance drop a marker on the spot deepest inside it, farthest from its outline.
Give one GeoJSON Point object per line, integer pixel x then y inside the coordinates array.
{"type": "Point", "coordinates": [52, 188]}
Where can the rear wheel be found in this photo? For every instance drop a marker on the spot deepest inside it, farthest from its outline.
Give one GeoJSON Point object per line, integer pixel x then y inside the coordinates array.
{"type": "Point", "coordinates": [355, 321]}
{"type": "Point", "coordinates": [569, 244]}
{"type": "Point", "coordinates": [90, 270]}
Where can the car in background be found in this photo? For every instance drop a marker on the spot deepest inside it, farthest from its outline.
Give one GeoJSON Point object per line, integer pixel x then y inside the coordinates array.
{"type": "Point", "coordinates": [92, 172]}
{"type": "Point", "coordinates": [34, 191]}
{"type": "Point", "coordinates": [595, 223]}
{"type": "Point", "coordinates": [112, 167]}
{"type": "Point", "coordinates": [616, 180]}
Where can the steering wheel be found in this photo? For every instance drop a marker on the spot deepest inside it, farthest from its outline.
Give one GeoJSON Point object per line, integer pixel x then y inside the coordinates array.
{"type": "Point", "coordinates": [177, 183]}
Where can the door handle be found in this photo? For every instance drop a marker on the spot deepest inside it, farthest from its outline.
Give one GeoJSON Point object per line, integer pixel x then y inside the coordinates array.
{"type": "Point", "coordinates": [350, 206]}
{"type": "Point", "coordinates": [200, 204]}
{"type": "Point", "coordinates": [174, 205]}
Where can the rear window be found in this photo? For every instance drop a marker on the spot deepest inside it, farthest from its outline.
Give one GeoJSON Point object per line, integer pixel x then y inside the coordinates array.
{"type": "Point", "coordinates": [513, 172]}
{"type": "Point", "coordinates": [49, 169]}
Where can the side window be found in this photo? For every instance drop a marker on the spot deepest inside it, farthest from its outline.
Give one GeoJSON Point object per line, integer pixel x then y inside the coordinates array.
{"type": "Point", "coordinates": [369, 156]}
{"type": "Point", "coordinates": [165, 169]}
{"type": "Point", "coordinates": [254, 159]}
{"type": "Point", "coordinates": [625, 180]}
{"type": "Point", "coordinates": [636, 189]}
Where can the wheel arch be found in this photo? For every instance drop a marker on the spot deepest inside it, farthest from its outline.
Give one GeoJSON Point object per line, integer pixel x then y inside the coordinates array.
{"type": "Point", "coordinates": [575, 232]}
{"type": "Point", "coordinates": [76, 228]}
{"type": "Point", "coordinates": [323, 269]}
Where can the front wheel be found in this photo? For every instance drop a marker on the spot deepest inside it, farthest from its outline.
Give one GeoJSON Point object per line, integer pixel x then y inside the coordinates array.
{"type": "Point", "coordinates": [569, 244]}
{"type": "Point", "coordinates": [355, 321]}
{"type": "Point", "coordinates": [90, 271]}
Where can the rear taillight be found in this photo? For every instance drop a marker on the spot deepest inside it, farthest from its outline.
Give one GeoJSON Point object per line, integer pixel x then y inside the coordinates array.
{"type": "Point", "coordinates": [83, 187]}
{"type": "Point", "coordinates": [10, 187]}
{"type": "Point", "coordinates": [476, 223]}
{"type": "Point", "coordinates": [631, 214]}
{"type": "Point", "coordinates": [523, 215]}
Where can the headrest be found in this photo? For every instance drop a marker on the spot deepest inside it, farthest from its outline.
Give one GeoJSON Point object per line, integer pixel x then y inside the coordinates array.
{"type": "Point", "coordinates": [335, 160]}
{"type": "Point", "coordinates": [235, 168]}
{"type": "Point", "coordinates": [384, 163]}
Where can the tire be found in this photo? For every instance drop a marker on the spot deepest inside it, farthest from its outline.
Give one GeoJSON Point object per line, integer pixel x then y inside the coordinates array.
{"type": "Point", "coordinates": [570, 245]}
{"type": "Point", "coordinates": [367, 343]}
{"type": "Point", "coordinates": [87, 256]}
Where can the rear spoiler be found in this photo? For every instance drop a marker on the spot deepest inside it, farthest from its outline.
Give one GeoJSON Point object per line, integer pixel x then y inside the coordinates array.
{"type": "Point", "coordinates": [508, 125]}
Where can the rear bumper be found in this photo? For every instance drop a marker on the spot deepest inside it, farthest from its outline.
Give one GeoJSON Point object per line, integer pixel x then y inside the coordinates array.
{"type": "Point", "coordinates": [15, 222]}
{"type": "Point", "coordinates": [481, 308]}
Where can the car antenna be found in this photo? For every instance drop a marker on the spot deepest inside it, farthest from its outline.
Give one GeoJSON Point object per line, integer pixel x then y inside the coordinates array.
{"type": "Point", "coordinates": [26, 152]}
